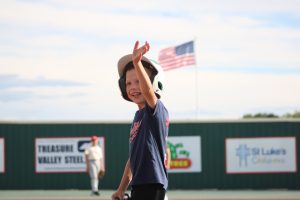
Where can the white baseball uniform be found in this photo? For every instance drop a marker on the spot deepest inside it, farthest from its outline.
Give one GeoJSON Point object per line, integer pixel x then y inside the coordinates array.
{"type": "Point", "coordinates": [95, 156]}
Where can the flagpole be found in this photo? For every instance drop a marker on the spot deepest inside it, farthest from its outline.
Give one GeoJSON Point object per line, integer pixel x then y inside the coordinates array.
{"type": "Point", "coordinates": [196, 82]}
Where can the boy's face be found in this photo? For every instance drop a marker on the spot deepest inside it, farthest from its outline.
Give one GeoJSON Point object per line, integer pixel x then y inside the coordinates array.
{"type": "Point", "coordinates": [133, 88]}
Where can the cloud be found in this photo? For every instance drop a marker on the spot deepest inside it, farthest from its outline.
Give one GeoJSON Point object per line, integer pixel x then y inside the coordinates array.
{"type": "Point", "coordinates": [14, 88]}
{"type": "Point", "coordinates": [58, 58]}
{"type": "Point", "coordinates": [8, 96]}
{"type": "Point", "coordinates": [13, 80]}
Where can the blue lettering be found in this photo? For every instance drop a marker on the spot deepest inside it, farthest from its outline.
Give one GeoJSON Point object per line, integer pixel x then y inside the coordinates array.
{"type": "Point", "coordinates": [255, 151]}
{"type": "Point", "coordinates": [273, 151]}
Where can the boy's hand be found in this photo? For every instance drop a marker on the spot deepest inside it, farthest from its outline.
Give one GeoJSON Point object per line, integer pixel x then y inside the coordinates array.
{"type": "Point", "coordinates": [138, 52]}
{"type": "Point", "coordinates": [117, 195]}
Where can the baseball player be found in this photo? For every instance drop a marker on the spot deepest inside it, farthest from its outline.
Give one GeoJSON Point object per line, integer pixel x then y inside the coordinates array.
{"type": "Point", "coordinates": [94, 164]}
{"type": "Point", "coordinates": [141, 82]}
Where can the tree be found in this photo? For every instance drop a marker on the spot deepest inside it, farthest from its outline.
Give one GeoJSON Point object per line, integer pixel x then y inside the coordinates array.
{"type": "Point", "coordinates": [296, 114]}
{"type": "Point", "coordinates": [260, 115]}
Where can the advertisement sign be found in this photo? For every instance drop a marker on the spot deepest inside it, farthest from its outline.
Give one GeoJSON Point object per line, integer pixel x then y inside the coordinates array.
{"type": "Point", "coordinates": [2, 156]}
{"type": "Point", "coordinates": [62, 154]}
{"type": "Point", "coordinates": [261, 155]}
{"type": "Point", "coordinates": [185, 154]}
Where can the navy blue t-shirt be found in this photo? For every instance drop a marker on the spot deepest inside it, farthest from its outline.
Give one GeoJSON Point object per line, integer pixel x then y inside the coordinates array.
{"type": "Point", "coordinates": [147, 145]}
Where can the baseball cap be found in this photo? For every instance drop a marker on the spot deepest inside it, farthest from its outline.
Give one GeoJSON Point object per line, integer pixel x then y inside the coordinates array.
{"type": "Point", "coordinates": [94, 138]}
{"type": "Point", "coordinates": [123, 61]}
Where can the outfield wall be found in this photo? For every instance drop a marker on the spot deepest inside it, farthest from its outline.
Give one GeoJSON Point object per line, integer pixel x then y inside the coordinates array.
{"type": "Point", "coordinates": [229, 155]}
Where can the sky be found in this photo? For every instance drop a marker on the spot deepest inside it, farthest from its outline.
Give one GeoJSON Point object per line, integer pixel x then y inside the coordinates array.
{"type": "Point", "coordinates": [58, 59]}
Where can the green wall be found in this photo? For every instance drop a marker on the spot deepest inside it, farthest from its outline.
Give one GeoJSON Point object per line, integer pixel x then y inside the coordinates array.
{"type": "Point", "coordinates": [20, 170]}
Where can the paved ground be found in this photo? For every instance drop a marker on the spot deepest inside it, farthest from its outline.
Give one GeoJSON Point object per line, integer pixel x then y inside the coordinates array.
{"type": "Point", "coordinates": [173, 195]}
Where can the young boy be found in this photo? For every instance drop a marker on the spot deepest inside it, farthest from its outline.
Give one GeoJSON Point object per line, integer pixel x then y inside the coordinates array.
{"type": "Point", "coordinates": [141, 82]}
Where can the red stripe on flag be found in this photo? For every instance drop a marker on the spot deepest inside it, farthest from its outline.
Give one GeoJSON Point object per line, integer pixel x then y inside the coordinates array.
{"type": "Point", "coordinates": [177, 62]}
{"type": "Point", "coordinates": [168, 58]}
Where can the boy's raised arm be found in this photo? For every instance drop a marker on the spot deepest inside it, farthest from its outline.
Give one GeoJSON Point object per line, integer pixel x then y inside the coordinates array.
{"type": "Point", "coordinates": [144, 80]}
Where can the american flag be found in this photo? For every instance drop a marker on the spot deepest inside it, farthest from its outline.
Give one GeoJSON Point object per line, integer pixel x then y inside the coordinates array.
{"type": "Point", "coordinates": [177, 56]}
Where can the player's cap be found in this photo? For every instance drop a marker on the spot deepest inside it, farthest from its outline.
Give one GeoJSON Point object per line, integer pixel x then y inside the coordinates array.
{"type": "Point", "coordinates": [93, 138]}
{"type": "Point", "coordinates": [125, 60]}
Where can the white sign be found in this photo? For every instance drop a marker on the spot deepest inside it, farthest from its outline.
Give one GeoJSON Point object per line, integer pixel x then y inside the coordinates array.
{"type": "Point", "coordinates": [2, 156]}
{"type": "Point", "coordinates": [62, 154]}
{"type": "Point", "coordinates": [185, 153]}
{"type": "Point", "coordinates": [261, 155]}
